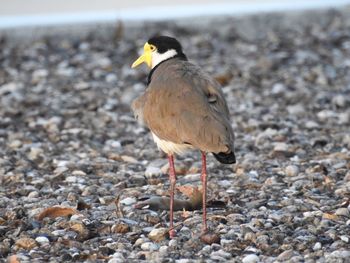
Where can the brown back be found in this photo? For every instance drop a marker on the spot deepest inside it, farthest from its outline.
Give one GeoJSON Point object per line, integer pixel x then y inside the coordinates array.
{"type": "Point", "coordinates": [184, 105]}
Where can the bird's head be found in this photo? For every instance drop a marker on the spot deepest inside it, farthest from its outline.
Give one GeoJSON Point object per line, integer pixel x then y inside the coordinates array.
{"type": "Point", "coordinates": [158, 49]}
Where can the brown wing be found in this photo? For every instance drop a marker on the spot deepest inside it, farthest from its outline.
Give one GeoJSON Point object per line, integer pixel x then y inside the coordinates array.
{"type": "Point", "coordinates": [184, 105]}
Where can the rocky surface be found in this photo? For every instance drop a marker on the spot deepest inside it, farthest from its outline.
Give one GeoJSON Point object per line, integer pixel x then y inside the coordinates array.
{"type": "Point", "coordinates": [74, 163]}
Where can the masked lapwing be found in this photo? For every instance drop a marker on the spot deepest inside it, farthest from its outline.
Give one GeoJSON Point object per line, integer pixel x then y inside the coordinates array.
{"type": "Point", "coordinates": [184, 108]}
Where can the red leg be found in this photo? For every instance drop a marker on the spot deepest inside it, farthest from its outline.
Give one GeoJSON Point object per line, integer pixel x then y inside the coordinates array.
{"type": "Point", "coordinates": [204, 189]}
{"type": "Point", "coordinates": [172, 177]}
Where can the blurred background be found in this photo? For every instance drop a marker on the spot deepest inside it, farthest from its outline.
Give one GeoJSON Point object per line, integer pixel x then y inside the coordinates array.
{"type": "Point", "coordinates": [17, 13]}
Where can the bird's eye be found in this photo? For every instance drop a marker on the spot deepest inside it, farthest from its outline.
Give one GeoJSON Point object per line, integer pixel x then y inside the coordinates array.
{"type": "Point", "coordinates": [153, 48]}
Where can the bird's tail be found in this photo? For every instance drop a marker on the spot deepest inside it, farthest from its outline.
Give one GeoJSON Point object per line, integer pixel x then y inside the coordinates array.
{"type": "Point", "coordinates": [226, 158]}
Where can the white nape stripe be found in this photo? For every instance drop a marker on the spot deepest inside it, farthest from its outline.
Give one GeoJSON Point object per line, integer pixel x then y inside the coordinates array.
{"type": "Point", "coordinates": [157, 57]}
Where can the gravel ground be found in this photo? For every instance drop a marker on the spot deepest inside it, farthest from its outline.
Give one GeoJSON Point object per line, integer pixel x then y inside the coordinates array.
{"type": "Point", "coordinates": [75, 167]}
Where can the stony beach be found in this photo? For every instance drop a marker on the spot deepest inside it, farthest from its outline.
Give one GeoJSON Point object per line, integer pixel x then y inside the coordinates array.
{"type": "Point", "coordinates": [82, 181]}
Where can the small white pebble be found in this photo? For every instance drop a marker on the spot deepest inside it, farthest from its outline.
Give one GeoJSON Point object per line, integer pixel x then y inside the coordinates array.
{"type": "Point", "coordinates": [206, 248]}
{"type": "Point", "coordinates": [15, 144]}
{"type": "Point", "coordinates": [153, 172]}
{"type": "Point", "coordinates": [311, 125]}
{"type": "Point", "coordinates": [128, 201]}
{"type": "Point", "coordinates": [344, 238]}
{"type": "Point", "coordinates": [317, 246]}
{"type": "Point", "coordinates": [163, 250]}
{"type": "Point", "coordinates": [78, 173]}
{"type": "Point", "coordinates": [116, 260]}
{"type": "Point", "coordinates": [252, 258]}
{"type": "Point", "coordinates": [117, 257]}
{"type": "Point", "coordinates": [42, 240]}
{"type": "Point", "coordinates": [71, 179]}
{"type": "Point", "coordinates": [139, 241]}
{"type": "Point", "coordinates": [33, 194]}
{"type": "Point", "coordinates": [173, 243]}
{"type": "Point", "coordinates": [278, 88]}
{"type": "Point", "coordinates": [149, 246]}
{"type": "Point", "coordinates": [183, 260]}
{"type": "Point", "coordinates": [281, 146]}
{"type": "Point", "coordinates": [77, 217]}
{"type": "Point", "coordinates": [114, 144]}
{"type": "Point", "coordinates": [342, 211]}
{"type": "Point", "coordinates": [292, 170]}
{"type": "Point", "coordinates": [59, 232]}
{"type": "Point", "coordinates": [253, 174]}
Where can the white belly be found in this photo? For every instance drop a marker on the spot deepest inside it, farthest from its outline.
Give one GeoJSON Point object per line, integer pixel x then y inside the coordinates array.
{"type": "Point", "coordinates": [170, 147]}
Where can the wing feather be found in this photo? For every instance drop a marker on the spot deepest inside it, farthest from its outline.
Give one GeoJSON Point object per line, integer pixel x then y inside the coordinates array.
{"type": "Point", "coordinates": [184, 105]}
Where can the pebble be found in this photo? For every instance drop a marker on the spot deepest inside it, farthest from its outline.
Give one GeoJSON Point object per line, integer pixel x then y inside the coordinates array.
{"type": "Point", "coordinates": [173, 243]}
{"type": "Point", "coordinates": [33, 194]}
{"type": "Point", "coordinates": [152, 172]}
{"type": "Point", "coordinates": [111, 78]}
{"type": "Point", "coordinates": [339, 100]}
{"type": "Point", "coordinates": [149, 246]}
{"type": "Point", "coordinates": [191, 178]}
{"type": "Point", "coordinates": [8, 88]}
{"type": "Point", "coordinates": [286, 255]}
{"type": "Point", "coordinates": [344, 238]}
{"type": "Point", "coordinates": [39, 74]}
{"type": "Point", "coordinates": [15, 144]}
{"type": "Point", "coordinates": [311, 125]}
{"type": "Point", "coordinates": [345, 254]}
{"type": "Point", "coordinates": [116, 260]}
{"type": "Point", "coordinates": [26, 243]}
{"type": "Point", "coordinates": [77, 217]}
{"type": "Point", "coordinates": [342, 211]}
{"type": "Point", "coordinates": [312, 214]}
{"type": "Point", "coordinates": [117, 257]}
{"type": "Point", "coordinates": [128, 201]}
{"type": "Point", "coordinates": [217, 258]}
{"type": "Point", "coordinates": [42, 240]}
{"type": "Point", "coordinates": [220, 254]}
{"type": "Point", "coordinates": [158, 234]}
{"type": "Point", "coordinates": [344, 118]}
{"type": "Point", "coordinates": [297, 109]}
{"type": "Point", "coordinates": [253, 175]}
{"type": "Point", "coordinates": [281, 147]}
{"type": "Point", "coordinates": [251, 258]}
{"type": "Point", "coordinates": [183, 260]}
{"type": "Point", "coordinates": [139, 242]}
{"type": "Point", "coordinates": [292, 170]}
{"type": "Point", "coordinates": [59, 232]}
{"type": "Point", "coordinates": [163, 250]}
{"type": "Point", "coordinates": [78, 173]}
{"type": "Point", "coordinates": [278, 88]}
{"type": "Point", "coordinates": [206, 248]}
{"type": "Point", "coordinates": [324, 115]}
{"type": "Point", "coordinates": [225, 242]}
{"type": "Point", "coordinates": [35, 153]}
{"type": "Point", "coordinates": [317, 246]}
{"type": "Point", "coordinates": [71, 179]}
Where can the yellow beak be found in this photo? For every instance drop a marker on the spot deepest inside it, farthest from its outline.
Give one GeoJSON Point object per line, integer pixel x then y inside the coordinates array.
{"type": "Point", "coordinates": [145, 57]}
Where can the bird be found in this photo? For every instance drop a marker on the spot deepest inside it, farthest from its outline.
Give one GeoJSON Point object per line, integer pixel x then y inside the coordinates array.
{"type": "Point", "coordinates": [184, 109]}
